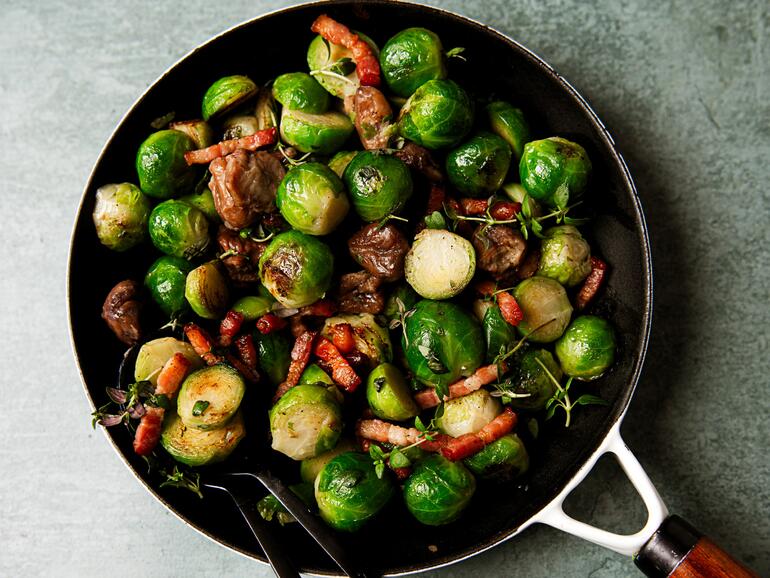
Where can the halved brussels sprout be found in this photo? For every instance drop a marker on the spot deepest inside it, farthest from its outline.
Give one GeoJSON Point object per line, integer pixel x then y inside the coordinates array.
{"type": "Point", "coordinates": [210, 396]}
{"type": "Point", "coordinates": [265, 111]}
{"type": "Point", "coordinates": [312, 199]}
{"type": "Point", "coordinates": [587, 348]}
{"type": "Point", "coordinates": [349, 493]}
{"type": "Point", "coordinates": [503, 460]}
{"type": "Point", "coordinates": [389, 395]}
{"type": "Point", "coordinates": [197, 447]}
{"type": "Point", "coordinates": [206, 290]}
{"type": "Point", "coordinates": [274, 352]}
{"type": "Point", "coordinates": [204, 202]}
{"type": "Point", "coordinates": [554, 170]}
{"type": "Point", "coordinates": [379, 184]}
{"type": "Point", "coordinates": [531, 383]}
{"type": "Point", "coordinates": [333, 67]}
{"type": "Point", "coordinates": [120, 216]}
{"type": "Point", "coordinates": [296, 269]}
{"type": "Point", "coordinates": [154, 354]}
{"type": "Point", "coordinates": [438, 115]}
{"type": "Point", "coordinates": [305, 422]}
{"type": "Point", "coordinates": [440, 263]}
{"type": "Point", "coordinates": [252, 307]}
{"type": "Point", "coordinates": [178, 229]}
{"type": "Point", "coordinates": [311, 467]}
{"type": "Point", "coordinates": [410, 59]}
{"type": "Point", "coordinates": [163, 172]}
{"type": "Point", "coordinates": [404, 293]}
{"type": "Point", "coordinates": [442, 342]}
{"type": "Point", "coordinates": [315, 133]}
{"type": "Point", "coordinates": [198, 130]}
{"type": "Point", "coordinates": [340, 161]}
{"type": "Point", "coordinates": [508, 122]}
{"type": "Point", "coordinates": [438, 490]}
{"type": "Point", "coordinates": [370, 337]}
{"type": "Point", "coordinates": [499, 335]}
{"type": "Point", "coordinates": [225, 94]}
{"type": "Point", "coordinates": [478, 166]}
{"type": "Point", "coordinates": [300, 91]}
{"type": "Point", "coordinates": [314, 374]}
{"type": "Point", "coordinates": [469, 413]}
{"type": "Point", "coordinates": [239, 126]}
{"type": "Point", "coordinates": [165, 280]}
{"type": "Point", "coordinates": [564, 256]}
{"type": "Point", "coordinates": [546, 309]}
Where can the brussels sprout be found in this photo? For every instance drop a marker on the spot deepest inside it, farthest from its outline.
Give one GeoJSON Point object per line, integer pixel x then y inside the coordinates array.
{"type": "Point", "coordinates": [438, 490]}
{"type": "Point", "coordinates": [333, 67]}
{"type": "Point", "coordinates": [440, 263]}
{"type": "Point", "coordinates": [553, 170]}
{"type": "Point", "coordinates": [312, 199]}
{"type": "Point", "coordinates": [305, 422]}
{"type": "Point", "coordinates": [206, 290]}
{"type": "Point", "coordinates": [388, 394]}
{"type": "Point", "coordinates": [198, 130]}
{"type": "Point", "coordinates": [340, 161]}
{"type": "Point", "coordinates": [404, 293]}
{"type": "Point", "coordinates": [518, 194]}
{"type": "Point", "coordinates": [252, 307]}
{"type": "Point", "coordinates": [296, 269]}
{"type": "Point", "coordinates": [546, 309]}
{"type": "Point", "coordinates": [300, 91]}
{"type": "Point", "coordinates": [371, 338]}
{"type": "Point", "coordinates": [265, 110]}
{"type": "Point", "coordinates": [349, 493]}
{"type": "Point", "coordinates": [410, 59]}
{"type": "Point", "coordinates": [274, 352]}
{"type": "Point", "coordinates": [564, 256]}
{"type": "Point", "coordinates": [508, 122]}
{"type": "Point", "coordinates": [498, 333]}
{"type": "Point", "coordinates": [239, 126]}
{"type": "Point", "coordinates": [120, 216]}
{"type": "Point", "coordinates": [225, 94]}
{"type": "Point", "coordinates": [315, 133]}
{"type": "Point", "coordinates": [210, 396]}
{"type": "Point", "coordinates": [314, 374]}
{"type": "Point", "coordinates": [438, 115]}
{"type": "Point", "coordinates": [442, 342]}
{"type": "Point", "coordinates": [478, 166]}
{"type": "Point", "coordinates": [163, 172]}
{"type": "Point", "coordinates": [197, 447]}
{"type": "Point", "coordinates": [531, 382]}
{"type": "Point", "coordinates": [469, 413]}
{"type": "Point", "coordinates": [311, 467]}
{"type": "Point", "coordinates": [204, 202]}
{"type": "Point", "coordinates": [154, 354]}
{"type": "Point", "coordinates": [166, 282]}
{"type": "Point", "coordinates": [587, 348]}
{"type": "Point", "coordinates": [269, 507]}
{"type": "Point", "coordinates": [379, 184]}
{"type": "Point", "coordinates": [502, 460]}
{"type": "Point", "coordinates": [178, 229]}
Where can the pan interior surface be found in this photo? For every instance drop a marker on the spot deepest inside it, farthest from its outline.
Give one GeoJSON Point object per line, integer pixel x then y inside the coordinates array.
{"type": "Point", "coordinates": [394, 542]}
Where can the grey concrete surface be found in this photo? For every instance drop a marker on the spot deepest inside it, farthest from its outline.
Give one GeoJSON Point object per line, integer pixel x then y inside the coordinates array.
{"type": "Point", "coordinates": [683, 86]}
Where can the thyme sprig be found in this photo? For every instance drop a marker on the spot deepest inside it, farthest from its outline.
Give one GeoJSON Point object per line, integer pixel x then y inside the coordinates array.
{"type": "Point", "coordinates": [403, 315]}
{"type": "Point", "coordinates": [561, 398]}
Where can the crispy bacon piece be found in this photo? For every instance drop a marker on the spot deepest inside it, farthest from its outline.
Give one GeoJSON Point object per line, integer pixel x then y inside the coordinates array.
{"type": "Point", "coordinates": [504, 210]}
{"type": "Point", "coordinates": [509, 308]}
{"type": "Point", "coordinates": [201, 343]}
{"type": "Point", "coordinates": [385, 432]}
{"type": "Point", "coordinates": [229, 327]}
{"type": "Point", "coordinates": [148, 433]}
{"type": "Point", "coordinates": [321, 308]}
{"type": "Point", "coordinates": [247, 372]}
{"type": "Point", "coordinates": [342, 373]}
{"type": "Point", "coordinates": [474, 206]}
{"type": "Point", "coordinates": [343, 337]}
{"type": "Point", "coordinates": [484, 375]}
{"type": "Point", "coordinates": [172, 374]}
{"type": "Point", "coordinates": [592, 284]}
{"type": "Point", "coordinates": [466, 445]}
{"type": "Point", "coordinates": [300, 356]}
{"type": "Point", "coordinates": [367, 65]}
{"type": "Point", "coordinates": [270, 322]}
{"type": "Point", "coordinates": [250, 143]}
{"type": "Point", "coordinates": [244, 345]}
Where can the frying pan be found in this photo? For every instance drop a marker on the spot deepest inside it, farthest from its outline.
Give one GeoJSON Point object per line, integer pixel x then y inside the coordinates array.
{"type": "Point", "coordinates": [274, 43]}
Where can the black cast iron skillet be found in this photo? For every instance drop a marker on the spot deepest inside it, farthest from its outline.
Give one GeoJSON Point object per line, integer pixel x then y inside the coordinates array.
{"type": "Point", "coordinates": [276, 43]}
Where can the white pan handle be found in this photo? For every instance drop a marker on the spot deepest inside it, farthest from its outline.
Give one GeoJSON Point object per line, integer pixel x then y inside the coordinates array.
{"type": "Point", "coordinates": [553, 514]}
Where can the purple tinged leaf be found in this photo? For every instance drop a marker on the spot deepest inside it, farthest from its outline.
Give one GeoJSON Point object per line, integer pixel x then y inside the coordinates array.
{"type": "Point", "coordinates": [136, 411]}
{"type": "Point", "coordinates": [110, 420]}
{"type": "Point", "coordinates": [116, 395]}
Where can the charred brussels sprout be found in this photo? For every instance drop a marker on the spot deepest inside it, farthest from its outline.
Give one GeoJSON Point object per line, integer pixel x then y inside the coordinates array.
{"type": "Point", "coordinates": [154, 354]}
{"type": "Point", "coordinates": [530, 382]}
{"type": "Point", "coordinates": [120, 216]}
{"type": "Point", "coordinates": [300, 91]}
{"type": "Point", "coordinates": [206, 290]}
{"type": "Point", "coordinates": [225, 94]}
{"type": "Point", "coordinates": [438, 490]}
{"type": "Point", "coordinates": [587, 348]}
{"type": "Point", "coordinates": [546, 308]}
{"type": "Point", "coordinates": [163, 172]}
{"type": "Point", "coordinates": [315, 133]}
{"type": "Point", "coordinates": [340, 161]}
{"type": "Point", "coordinates": [252, 307]}
{"type": "Point", "coordinates": [442, 342]}
{"type": "Point", "coordinates": [498, 333]}
{"type": "Point", "coordinates": [198, 130]}
{"type": "Point", "coordinates": [508, 122]}
{"type": "Point", "coordinates": [564, 256]}
{"type": "Point", "coordinates": [502, 460]}
{"type": "Point", "coordinates": [388, 394]}
{"type": "Point", "coordinates": [477, 167]}
{"type": "Point", "coordinates": [178, 229]}
{"type": "Point", "coordinates": [305, 422]}
{"type": "Point", "coordinates": [210, 396]}
{"type": "Point", "coordinates": [410, 59]}
{"type": "Point", "coordinates": [312, 199]}
{"type": "Point", "coordinates": [274, 352]}
{"type": "Point", "coordinates": [197, 447]}
{"type": "Point", "coordinates": [296, 269]}
{"type": "Point", "coordinates": [554, 170]}
{"type": "Point", "coordinates": [349, 493]}
{"type": "Point", "coordinates": [203, 201]}
{"type": "Point", "coordinates": [379, 184]}
{"type": "Point", "coordinates": [311, 467]}
{"type": "Point", "coordinates": [440, 264]}
{"type": "Point", "coordinates": [438, 115]}
{"type": "Point", "coordinates": [469, 413]}
{"type": "Point", "coordinates": [371, 338]}
{"type": "Point", "coordinates": [166, 282]}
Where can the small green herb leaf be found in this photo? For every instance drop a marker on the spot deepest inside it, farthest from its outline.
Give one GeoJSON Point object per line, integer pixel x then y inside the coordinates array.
{"type": "Point", "coordinates": [199, 407]}
{"type": "Point", "coordinates": [398, 459]}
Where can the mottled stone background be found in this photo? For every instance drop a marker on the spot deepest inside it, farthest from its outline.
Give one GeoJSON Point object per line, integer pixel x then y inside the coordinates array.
{"type": "Point", "coordinates": [683, 86]}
